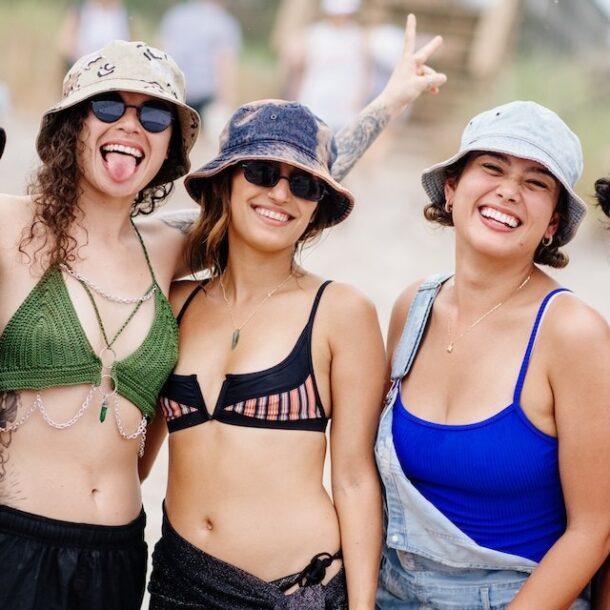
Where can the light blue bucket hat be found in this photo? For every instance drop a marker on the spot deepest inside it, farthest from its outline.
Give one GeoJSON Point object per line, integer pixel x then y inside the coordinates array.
{"type": "Point", "coordinates": [527, 130]}
{"type": "Point", "coordinates": [279, 130]}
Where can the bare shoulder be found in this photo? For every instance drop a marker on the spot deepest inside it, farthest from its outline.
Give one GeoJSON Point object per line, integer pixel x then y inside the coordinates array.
{"type": "Point", "coordinates": [16, 213]}
{"type": "Point", "coordinates": [180, 292]}
{"type": "Point", "coordinates": [575, 329]}
{"type": "Point", "coordinates": [345, 304]}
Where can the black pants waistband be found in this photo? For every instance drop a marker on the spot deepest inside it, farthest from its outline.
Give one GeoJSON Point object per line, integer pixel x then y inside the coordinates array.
{"type": "Point", "coordinates": [68, 533]}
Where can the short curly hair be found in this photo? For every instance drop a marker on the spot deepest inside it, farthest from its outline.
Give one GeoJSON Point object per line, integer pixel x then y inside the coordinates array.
{"type": "Point", "coordinates": [549, 255]}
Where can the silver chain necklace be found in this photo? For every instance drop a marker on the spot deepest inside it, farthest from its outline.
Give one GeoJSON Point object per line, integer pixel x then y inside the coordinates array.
{"type": "Point", "coordinates": [106, 295]}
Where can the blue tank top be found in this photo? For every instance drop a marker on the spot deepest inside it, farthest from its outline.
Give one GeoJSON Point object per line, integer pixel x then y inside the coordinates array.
{"type": "Point", "coordinates": [497, 479]}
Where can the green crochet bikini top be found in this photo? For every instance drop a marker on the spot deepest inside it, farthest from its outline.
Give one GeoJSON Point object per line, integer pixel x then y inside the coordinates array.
{"type": "Point", "coordinates": [44, 346]}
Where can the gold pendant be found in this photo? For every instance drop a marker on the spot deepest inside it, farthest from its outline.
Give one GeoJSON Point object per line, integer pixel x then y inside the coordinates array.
{"type": "Point", "coordinates": [450, 348]}
{"type": "Point", "coordinates": [235, 338]}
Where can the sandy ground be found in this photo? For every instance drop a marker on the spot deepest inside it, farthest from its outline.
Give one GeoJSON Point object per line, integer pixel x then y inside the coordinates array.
{"type": "Point", "coordinates": [385, 244]}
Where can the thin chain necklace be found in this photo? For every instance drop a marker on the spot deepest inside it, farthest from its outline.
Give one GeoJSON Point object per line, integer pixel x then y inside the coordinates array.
{"type": "Point", "coordinates": [237, 329]}
{"type": "Point", "coordinates": [497, 306]}
{"type": "Point", "coordinates": [106, 295]}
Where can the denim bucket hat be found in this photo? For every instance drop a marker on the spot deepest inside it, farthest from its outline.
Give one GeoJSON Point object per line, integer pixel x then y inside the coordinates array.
{"type": "Point", "coordinates": [2, 141]}
{"type": "Point", "coordinates": [530, 131]}
{"type": "Point", "coordinates": [277, 130]}
{"type": "Point", "coordinates": [134, 67]}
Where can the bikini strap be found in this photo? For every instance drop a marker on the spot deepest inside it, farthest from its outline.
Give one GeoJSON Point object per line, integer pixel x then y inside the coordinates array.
{"type": "Point", "coordinates": [316, 302]}
{"type": "Point", "coordinates": [150, 267]}
{"type": "Point", "coordinates": [532, 340]}
{"type": "Point", "coordinates": [190, 297]}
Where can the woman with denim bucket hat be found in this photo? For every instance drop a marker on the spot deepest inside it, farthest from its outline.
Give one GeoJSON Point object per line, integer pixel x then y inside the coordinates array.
{"type": "Point", "coordinates": [491, 506]}
{"type": "Point", "coordinates": [268, 353]}
{"type": "Point", "coordinates": [88, 336]}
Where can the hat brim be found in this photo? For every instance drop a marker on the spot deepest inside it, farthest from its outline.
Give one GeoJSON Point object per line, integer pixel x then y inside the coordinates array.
{"type": "Point", "coordinates": [341, 199]}
{"type": "Point", "coordinates": [2, 141]}
{"type": "Point", "coordinates": [433, 178]}
{"type": "Point", "coordinates": [188, 117]}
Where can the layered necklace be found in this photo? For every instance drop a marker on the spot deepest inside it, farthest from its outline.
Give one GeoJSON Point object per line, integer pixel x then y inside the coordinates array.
{"type": "Point", "coordinates": [237, 328]}
{"type": "Point", "coordinates": [497, 306]}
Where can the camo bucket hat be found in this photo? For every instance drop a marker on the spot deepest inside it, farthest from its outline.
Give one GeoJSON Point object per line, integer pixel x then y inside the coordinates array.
{"type": "Point", "coordinates": [287, 132]}
{"type": "Point", "coordinates": [134, 67]}
{"type": "Point", "coordinates": [530, 131]}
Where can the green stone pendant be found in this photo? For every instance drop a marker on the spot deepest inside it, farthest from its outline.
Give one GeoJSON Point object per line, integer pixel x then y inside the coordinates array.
{"type": "Point", "coordinates": [235, 338]}
{"type": "Point", "coordinates": [103, 410]}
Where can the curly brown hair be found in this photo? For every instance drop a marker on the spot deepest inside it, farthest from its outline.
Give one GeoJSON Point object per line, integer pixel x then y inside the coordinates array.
{"type": "Point", "coordinates": [55, 186]}
{"type": "Point", "coordinates": [545, 255]}
{"type": "Point", "coordinates": [208, 244]}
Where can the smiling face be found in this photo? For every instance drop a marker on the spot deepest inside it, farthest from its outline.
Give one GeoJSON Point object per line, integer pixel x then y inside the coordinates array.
{"type": "Point", "coordinates": [503, 203]}
{"type": "Point", "coordinates": [118, 159]}
{"type": "Point", "coordinates": [269, 218]}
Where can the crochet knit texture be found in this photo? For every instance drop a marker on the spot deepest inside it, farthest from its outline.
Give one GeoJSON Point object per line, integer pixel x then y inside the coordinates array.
{"type": "Point", "coordinates": [44, 346]}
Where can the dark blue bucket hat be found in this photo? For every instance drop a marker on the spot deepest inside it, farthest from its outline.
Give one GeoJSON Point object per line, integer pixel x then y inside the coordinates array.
{"type": "Point", "coordinates": [528, 130]}
{"type": "Point", "coordinates": [278, 130]}
{"type": "Point", "coordinates": [2, 141]}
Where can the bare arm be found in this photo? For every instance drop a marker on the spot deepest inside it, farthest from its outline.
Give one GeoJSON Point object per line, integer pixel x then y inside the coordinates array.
{"type": "Point", "coordinates": [410, 78]}
{"type": "Point", "coordinates": [578, 372]}
{"type": "Point", "coordinates": [357, 376]}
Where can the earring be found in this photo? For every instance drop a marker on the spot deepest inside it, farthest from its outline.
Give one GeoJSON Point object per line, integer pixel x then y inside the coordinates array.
{"type": "Point", "coordinates": [547, 241]}
{"type": "Point", "coordinates": [448, 207]}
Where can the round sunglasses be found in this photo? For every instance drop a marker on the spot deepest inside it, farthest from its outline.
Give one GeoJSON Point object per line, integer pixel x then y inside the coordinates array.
{"type": "Point", "coordinates": [268, 174]}
{"type": "Point", "coordinates": [154, 116]}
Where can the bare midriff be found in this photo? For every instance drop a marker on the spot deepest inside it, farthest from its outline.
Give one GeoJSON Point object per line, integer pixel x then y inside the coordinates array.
{"type": "Point", "coordinates": [252, 497]}
{"type": "Point", "coordinates": [84, 473]}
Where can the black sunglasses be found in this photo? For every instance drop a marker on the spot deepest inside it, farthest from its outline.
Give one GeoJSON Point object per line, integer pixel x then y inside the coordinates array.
{"type": "Point", "coordinates": [154, 116]}
{"type": "Point", "coordinates": [267, 174]}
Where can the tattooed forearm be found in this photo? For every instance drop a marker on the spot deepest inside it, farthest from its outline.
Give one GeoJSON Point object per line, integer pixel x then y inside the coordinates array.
{"type": "Point", "coordinates": [354, 139]}
{"type": "Point", "coordinates": [181, 220]}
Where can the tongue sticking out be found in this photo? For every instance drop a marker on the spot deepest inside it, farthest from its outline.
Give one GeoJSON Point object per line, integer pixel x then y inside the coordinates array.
{"type": "Point", "coordinates": [120, 167]}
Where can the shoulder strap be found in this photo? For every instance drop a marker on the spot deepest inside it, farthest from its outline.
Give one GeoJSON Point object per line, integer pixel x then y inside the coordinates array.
{"type": "Point", "coordinates": [150, 267]}
{"type": "Point", "coordinates": [532, 340]}
{"type": "Point", "coordinates": [415, 324]}
{"type": "Point", "coordinates": [188, 301]}
{"type": "Point", "coordinates": [316, 302]}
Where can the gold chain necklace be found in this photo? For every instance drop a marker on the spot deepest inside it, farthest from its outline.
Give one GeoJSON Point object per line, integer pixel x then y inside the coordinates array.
{"type": "Point", "coordinates": [452, 342]}
{"type": "Point", "coordinates": [237, 329]}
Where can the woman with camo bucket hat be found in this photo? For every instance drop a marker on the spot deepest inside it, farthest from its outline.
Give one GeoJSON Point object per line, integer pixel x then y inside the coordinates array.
{"type": "Point", "coordinates": [492, 506]}
{"type": "Point", "coordinates": [88, 335]}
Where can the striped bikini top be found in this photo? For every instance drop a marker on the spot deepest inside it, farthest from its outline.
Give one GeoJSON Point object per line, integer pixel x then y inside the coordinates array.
{"type": "Point", "coordinates": [284, 396]}
{"type": "Point", "coordinates": [44, 346]}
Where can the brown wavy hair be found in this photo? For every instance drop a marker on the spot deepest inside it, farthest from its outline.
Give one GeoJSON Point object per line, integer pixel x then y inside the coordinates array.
{"type": "Point", "coordinates": [55, 187]}
{"type": "Point", "coordinates": [208, 244]}
{"type": "Point", "coordinates": [545, 255]}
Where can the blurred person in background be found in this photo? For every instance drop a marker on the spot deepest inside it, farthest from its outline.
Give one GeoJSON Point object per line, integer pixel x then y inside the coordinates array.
{"type": "Point", "coordinates": [492, 506]}
{"type": "Point", "coordinates": [89, 25]}
{"type": "Point", "coordinates": [205, 40]}
{"type": "Point", "coordinates": [329, 64]}
{"type": "Point", "coordinates": [2, 141]}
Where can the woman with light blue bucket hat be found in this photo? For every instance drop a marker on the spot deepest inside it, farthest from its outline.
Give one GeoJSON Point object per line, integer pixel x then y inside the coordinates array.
{"type": "Point", "coordinates": [493, 444]}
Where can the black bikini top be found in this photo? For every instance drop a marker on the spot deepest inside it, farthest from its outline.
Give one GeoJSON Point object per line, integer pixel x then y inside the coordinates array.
{"type": "Point", "coordinates": [284, 396]}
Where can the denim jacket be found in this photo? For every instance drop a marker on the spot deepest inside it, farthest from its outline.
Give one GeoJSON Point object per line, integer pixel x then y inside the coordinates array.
{"type": "Point", "coordinates": [425, 554]}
